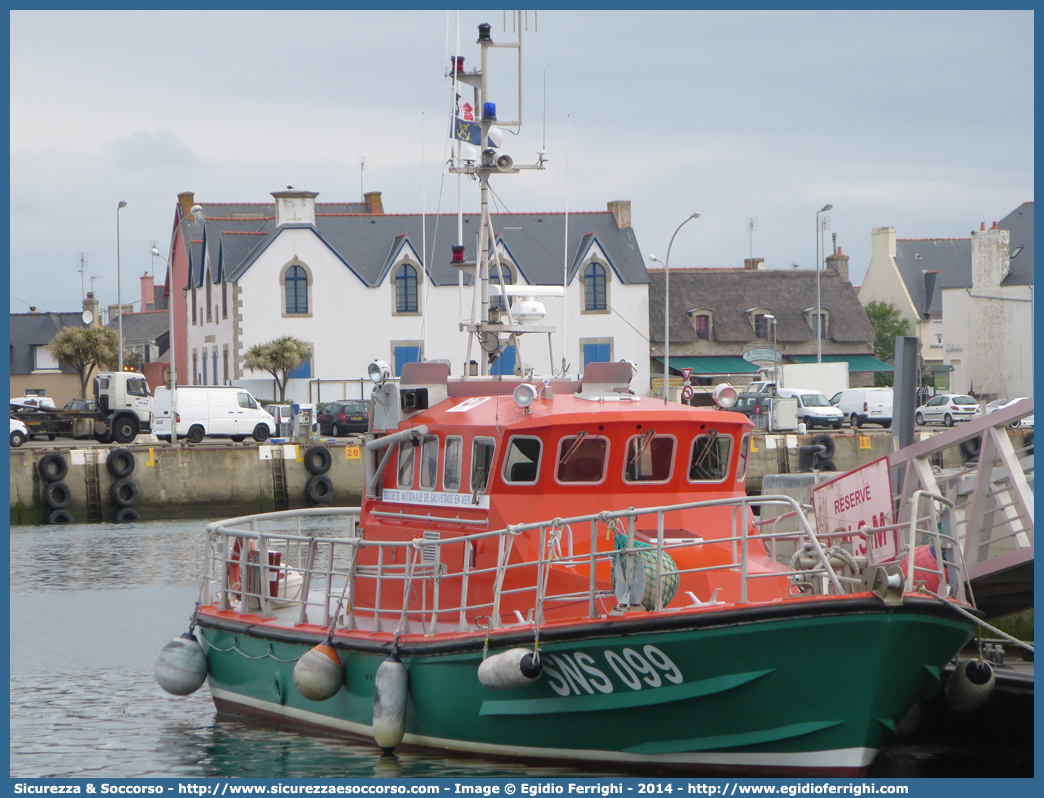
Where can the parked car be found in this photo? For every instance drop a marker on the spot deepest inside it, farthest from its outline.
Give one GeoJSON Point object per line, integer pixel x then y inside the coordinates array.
{"type": "Point", "coordinates": [946, 408]}
{"type": "Point", "coordinates": [19, 433]}
{"type": "Point", "coordinates": [751, 404]}
{"type": "Point", "coordinates": [34, 401]}
{"type": "Point", "coordinates": [341, 418]}
{"type": "Point", "coordinates": [80, 404]}
{"type": "Point", "coordinates": [997, 404]}
{"type": "Point", "coordinates": [213, 412]}
{"type": "Point", "coordinates": [865, 405]}
{"type": "Point", "coordinates": [813, 408]}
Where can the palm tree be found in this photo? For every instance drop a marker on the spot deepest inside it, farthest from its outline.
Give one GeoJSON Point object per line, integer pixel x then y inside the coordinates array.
{"type": "Point", "coordinates": [86, 348]}
{"type": "Point", "coordinates": [278, 357]}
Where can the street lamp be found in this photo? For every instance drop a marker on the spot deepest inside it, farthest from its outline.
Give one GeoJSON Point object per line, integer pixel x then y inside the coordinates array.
{"type": "Point", "coordinates": [195, 213]}
{"type": "Point", "coordinates": [667, 306]}
{"type": "Point", "coordinates": [119, 294]}
{"type": "Point", "coordinates": [819, 294]}
{"type": "Point", "coordinates": [775, 366]}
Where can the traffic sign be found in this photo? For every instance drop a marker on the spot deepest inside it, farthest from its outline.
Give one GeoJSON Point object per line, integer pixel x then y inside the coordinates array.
{"type": "Point", "coordinates": [686, 373]}
{"type": "Point", "coordinates": [687, 393]}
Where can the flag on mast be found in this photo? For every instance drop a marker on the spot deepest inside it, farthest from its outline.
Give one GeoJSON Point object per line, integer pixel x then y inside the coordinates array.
{"type": "Point", "coordinates": [465, 128]}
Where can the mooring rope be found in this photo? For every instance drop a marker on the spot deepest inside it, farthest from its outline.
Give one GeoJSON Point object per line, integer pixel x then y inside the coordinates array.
{"type": "Point", "coordinates": [972, 618]}
{"type": "Point", "coordinates": [235, 647]}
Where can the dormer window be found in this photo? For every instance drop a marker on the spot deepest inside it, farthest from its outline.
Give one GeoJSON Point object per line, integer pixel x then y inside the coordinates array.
{"type": "Point", "coordinates": [499, 302]}
{"type": "Point", "coordinates": [760, 322]}
{"type": "Point", "coordinates": [701, 323]}
{"type": "Point", "coordinates": [817, 320]}
{"type": "Point", "coordinates": [1015, 252]}
{"type": "Point", "coordinates": [596, 289]}
{"type": "Point", "coordinates": [406, 291]}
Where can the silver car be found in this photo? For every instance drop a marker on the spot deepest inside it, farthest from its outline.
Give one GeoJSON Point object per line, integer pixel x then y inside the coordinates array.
{"type": "Point", "coordinates": [946, 408]}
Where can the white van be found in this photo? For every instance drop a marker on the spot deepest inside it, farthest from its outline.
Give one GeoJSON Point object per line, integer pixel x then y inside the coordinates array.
{"type": "Point", "coordinates": [212, 411]}
{"type": "Point", "coordinates": [865, 405]}
{"type": "Point", "coordinates": [813, 408]}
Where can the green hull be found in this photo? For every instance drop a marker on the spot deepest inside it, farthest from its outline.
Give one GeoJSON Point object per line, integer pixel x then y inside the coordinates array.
{"type": "Point", "coordinates": [817, 689]}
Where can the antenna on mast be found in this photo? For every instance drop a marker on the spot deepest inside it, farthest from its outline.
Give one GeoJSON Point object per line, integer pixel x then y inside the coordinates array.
{"type": "Point", "coordinates": [362, 168]}
{"type": "Point", "coordinates": [752, 227]}
{"type": "Point", "coordinates": [82, 258]}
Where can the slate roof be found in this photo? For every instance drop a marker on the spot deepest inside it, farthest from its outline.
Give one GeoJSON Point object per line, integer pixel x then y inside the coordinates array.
{"type": "Point", "coordinates": [728, 293]}
{"type": "Point", "coordinates": [143, 328]}
{"type": "Point", "coordinates": [236, 235]}
{"type": "Point", "coordinates": [951, 258]}
{"type": "Point", "coordinates": [1020, 224]}
{"type": "Point", "coordinates": [37, 329]}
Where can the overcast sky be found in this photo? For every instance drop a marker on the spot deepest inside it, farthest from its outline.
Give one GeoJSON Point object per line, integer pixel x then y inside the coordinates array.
{"type": "Point", "coordinates": [918, 120]}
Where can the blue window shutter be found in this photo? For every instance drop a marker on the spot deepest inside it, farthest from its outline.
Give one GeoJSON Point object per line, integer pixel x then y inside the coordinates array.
{"type": "Point", "coordinates": [302, 372]}
{"type": "Point", "coordinates": [596, 353]}
{"type": "Point", "coordinates": [404, 355]}
{"type": "Point", "coordinates": [505, 364]}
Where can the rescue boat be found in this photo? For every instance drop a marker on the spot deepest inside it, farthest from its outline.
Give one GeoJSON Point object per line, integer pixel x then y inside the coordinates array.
{"type": "Point", "coordinates": [561, 569]}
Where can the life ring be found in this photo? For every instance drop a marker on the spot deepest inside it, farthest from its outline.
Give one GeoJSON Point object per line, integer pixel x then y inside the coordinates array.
{"type": "Point", "coordinates": [235, 582]}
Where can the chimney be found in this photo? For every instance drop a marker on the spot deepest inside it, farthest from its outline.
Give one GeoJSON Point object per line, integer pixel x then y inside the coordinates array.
{"type": "Point", "coordinates": [295, 207]}
{"type": "Point", "coordinates": [114, 311]}
{"type": "Point", "coordinates": [838, 262]}
{"type": "Point", "coordinates": [752, 264]}
{"type": "Point", "coordinates": [621, 211]}
{"type": "Point", "coordinates": [91, 304]}
{"type": "Point", "coordinates": [373, 203]}
{"type": "Point", "coordinates": [186, 199]}
{"type": "Point", "coordinates": [990, 257]}
{"type": "Point", "coordinates": [148, 293]}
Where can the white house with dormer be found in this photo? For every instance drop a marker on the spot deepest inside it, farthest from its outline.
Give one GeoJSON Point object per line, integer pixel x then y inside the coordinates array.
{"type": "Point", "coordinates": [359, 285]}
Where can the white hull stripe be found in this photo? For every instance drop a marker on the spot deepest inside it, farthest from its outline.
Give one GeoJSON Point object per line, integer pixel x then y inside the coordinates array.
{"type": "Point", "coordinates": [839, 758]}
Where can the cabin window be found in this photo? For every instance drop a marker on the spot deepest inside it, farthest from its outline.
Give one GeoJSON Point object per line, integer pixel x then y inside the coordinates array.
{"type": "Point", "coordinates": [405, 474]}
{"type": "Point", "coordinates": [582, 458]}
{"type": "Point", "coordinates": [741, 467]}
{"type": "Point", "coordinates": [429, 462]}
{"type": "Point", "coordinates": [451, 468]}
{"type": "Point", "coordinates": [522, 463]}
{"type": "Point", "coordinates": [710, 457]}
{"type": "Point", "coordinates": [137, 388]}
{"type": "Point", "coordinates": [649, 458]}
{"type": "Point", "coordinates": [481, 461]}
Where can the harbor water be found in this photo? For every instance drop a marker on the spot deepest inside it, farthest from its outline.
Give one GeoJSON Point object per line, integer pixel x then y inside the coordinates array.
{"type": "Point", "coordinates": [91, 607]}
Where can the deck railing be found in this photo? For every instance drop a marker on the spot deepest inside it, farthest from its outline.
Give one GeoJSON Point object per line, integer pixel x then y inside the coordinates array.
{"type": "Point", "coordinates": [279, 561]}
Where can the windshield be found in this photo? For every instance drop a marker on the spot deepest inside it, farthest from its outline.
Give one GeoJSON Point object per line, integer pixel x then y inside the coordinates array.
{"type": "Point", "coordinates": [963, 400]}
{"type": "Point", "coordinates": [814, 400]}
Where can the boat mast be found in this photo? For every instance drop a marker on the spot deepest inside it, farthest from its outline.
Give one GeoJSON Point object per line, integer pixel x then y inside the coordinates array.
{"type": "Point", "coordinates": [481, 327]}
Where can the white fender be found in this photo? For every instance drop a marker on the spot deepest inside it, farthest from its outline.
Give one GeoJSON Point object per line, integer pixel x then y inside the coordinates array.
{"type": "Point", "coordinates": [181, 667]}
{"type": "Point", "coordinates": [509, 669]}
{"type": "Point", "coordinates": [970, 685]}
{"type": "Point", "coordinates": [391, 685]}
{"type": "Point", "coordinates": [318, 675]}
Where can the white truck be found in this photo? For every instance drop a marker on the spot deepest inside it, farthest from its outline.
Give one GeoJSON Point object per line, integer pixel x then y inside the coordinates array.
{"type": "Point", "coordinates": [827, 378]}
{"type": "Point", "coordinates": [124, 408]}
